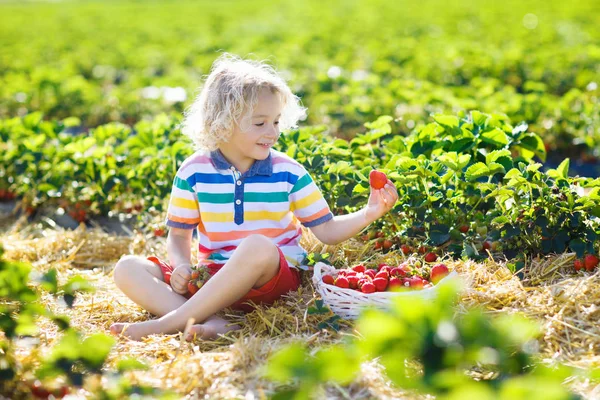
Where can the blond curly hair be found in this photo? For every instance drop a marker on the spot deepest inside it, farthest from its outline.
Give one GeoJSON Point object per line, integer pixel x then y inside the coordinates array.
{"type": "Point", "coordinates": [231, 91]}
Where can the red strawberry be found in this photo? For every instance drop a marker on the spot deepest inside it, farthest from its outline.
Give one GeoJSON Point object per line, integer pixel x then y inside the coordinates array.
{"type": "Point", "coordinates": [387, 244]}
{"type": "Point", "coordinates": [381, 265]}
{"type": "Point", "coordinates": [195, 274]}
{"type": "Point", "coordinates": [353, 282]}
{"type": "Point", "coordinates": [379, 234]}
{"type": "Point", "coordinates": [342, 282]}
{"type": "Point", "coordinates": [382, 274]}
{"type": "Point", "coordinates": [386, 268]}
{"type": "Point", "coordinates": [398, 272]}
{"type": "Point", "coordinates": [192, 287]}
{"type": "Point", "coordinates": [371, 273]}
{"type": "Point", "coordinates": [578, 264]}
{"type": "Point", "coordinates": [590, 261]}
{"type": "Point", "coordinates": [430, 257]}
{"type": "Point", "coordinates": [487, 245]}
{"type": "Point", "coordinates": [422, 250]}
{"type": "Point", "coordinates": [159, 232]}
{"type": "Point", "coordinates": [368, 287]}
{"type": "Point", "coordinates": [328, 279]}
{"type": "Point", "coordinates": [395, 283]}
{"type": "Point", "coordinates": [405, 249]}
{"type": "Point", "coordinates": [416, 282]}
{"type": "Point", "coordinates": [380, 284]}
{"type": "Point", "coordinates": [378, 245]}
{"type": "Point", "coordinates": [359, 268]}
{"type": "Point", "coordinates": [438, 272]}
{"type": "Point", "coordinates": [377, 179]}
{"type": "Point", "coordinates": [464, 228]}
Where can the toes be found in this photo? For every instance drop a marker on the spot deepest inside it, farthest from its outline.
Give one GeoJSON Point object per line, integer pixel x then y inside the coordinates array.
{"type": "Point", "coordinates": [196, 331]}
{"type": "Point", "coordinates": [116, 329]}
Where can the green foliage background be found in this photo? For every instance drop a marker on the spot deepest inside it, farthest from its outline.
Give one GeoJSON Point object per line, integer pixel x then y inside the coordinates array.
{"type": "Point", "coordinates": [350, 61]}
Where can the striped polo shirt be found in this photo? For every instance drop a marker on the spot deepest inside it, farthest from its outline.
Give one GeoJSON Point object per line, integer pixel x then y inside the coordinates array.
{"type": "Point", "coordinates": [273, 198]}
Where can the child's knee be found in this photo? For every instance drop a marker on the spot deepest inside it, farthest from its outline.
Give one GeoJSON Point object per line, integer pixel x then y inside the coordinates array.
{"type": "Point", "coordinates": [260, 246]}
{"type": "Point", "coordinates": [123, 268]}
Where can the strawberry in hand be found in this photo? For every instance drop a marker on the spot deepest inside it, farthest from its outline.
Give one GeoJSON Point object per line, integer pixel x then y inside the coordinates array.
{"type": "Point", "coordinates": [383, 196]}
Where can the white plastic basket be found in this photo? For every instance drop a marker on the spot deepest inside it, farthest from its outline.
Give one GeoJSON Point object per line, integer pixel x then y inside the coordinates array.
{"type": "Point", "coordinates": [348, 303]}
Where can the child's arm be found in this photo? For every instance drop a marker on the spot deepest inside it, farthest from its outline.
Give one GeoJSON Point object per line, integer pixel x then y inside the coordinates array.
{"type": "Point", "coordinates": [344, 227]}
{"type": "Point", "coordinates": [178, 249]}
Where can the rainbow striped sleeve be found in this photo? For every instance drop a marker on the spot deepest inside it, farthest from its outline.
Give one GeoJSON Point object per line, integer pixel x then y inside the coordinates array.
{"type": "Point", "coordinates": [307, 202]}
{"type": "Point", "coordinates": [183, 211]}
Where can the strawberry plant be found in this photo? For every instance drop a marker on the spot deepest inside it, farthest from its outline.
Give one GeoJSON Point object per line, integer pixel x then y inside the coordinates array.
{"type": "Point", "coordinates": [445, 345]}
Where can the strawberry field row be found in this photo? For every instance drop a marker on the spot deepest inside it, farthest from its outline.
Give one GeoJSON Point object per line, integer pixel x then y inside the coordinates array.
{"type": "Point", "coordinates": [536, 62]}
{"type": "Point", "coordinates": [467, 183]}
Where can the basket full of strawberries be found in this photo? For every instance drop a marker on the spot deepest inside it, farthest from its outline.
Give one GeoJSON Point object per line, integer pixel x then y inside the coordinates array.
{"type": "Point", "coordinates": [346, 291]}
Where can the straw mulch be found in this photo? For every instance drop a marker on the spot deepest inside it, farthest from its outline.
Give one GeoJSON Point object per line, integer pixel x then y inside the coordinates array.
{"type": "Point", "coordinates": [566, 304]}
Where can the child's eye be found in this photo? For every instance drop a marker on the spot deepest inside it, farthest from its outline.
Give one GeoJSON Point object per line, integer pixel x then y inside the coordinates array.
{"type": "Point", "coordinates": [276, 122]}
{"type": "Point", "coordinates": [261, 124]}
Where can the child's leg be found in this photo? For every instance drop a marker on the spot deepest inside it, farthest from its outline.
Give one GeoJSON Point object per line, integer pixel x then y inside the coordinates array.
{"type": "Point", "coordinates": [253, 264]}
{"type": "Point", "coordinates": [143, 282]}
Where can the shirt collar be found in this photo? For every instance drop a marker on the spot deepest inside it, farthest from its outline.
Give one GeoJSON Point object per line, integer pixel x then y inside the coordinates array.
{"type": "Point", "coordinates": [260, 167]}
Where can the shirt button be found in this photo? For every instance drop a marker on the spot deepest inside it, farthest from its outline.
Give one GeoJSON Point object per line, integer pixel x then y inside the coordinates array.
{"type": "Point", "coordinates": [238, 202]}
{"type": "Point", "coordinates": [239, 183]}
{"type": "Point", "coordinates": [232, 168]}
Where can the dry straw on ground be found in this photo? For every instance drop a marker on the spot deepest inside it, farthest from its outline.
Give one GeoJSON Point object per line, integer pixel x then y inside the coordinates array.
{"type": "Point", "coordinates": [565, 303]}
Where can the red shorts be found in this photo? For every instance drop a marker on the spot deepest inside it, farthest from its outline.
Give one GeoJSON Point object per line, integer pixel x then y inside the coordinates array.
{"type": "Point", "coordinates": [286, 280]}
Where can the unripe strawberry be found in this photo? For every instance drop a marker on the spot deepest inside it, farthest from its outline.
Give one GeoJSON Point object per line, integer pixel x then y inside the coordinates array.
{"type": "Point", "coordinates": [368, 287]}
{"type": "Point", "coordinates": [328, 279]}
{"type": "Point", "coordinates": [377, 179]}
{"type": "Point", "coordinates": [482, 230]}
{"type": "Point", "coordinates": [342, 282]}
{"type": "Point", "coordinates": [430, 257]}
{"type": "Point", "coordinates": [380, 284]}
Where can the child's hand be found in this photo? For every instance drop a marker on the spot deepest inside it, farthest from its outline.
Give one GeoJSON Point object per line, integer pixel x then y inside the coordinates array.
{"type": "Point", "coordinates": [180, 278]}
{"type": "Point", "coordinates": [381, 201]}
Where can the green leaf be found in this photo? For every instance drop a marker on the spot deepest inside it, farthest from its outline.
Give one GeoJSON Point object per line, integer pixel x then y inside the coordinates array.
{"type": "Point", "coordinates": [287, 363]}
{"type": "Point", "coordinates": [439, 234]}
{"type": "Point", "coordinates": [563, 168]}
{"type": "Point", "coordinates": [131, 364]}
{"type": "Point", "coordinates": [476, 171]}
{"type": "Point", "coordinates": [95, 349]}
{"type": "Point", "coordinates": [450, 121]}
{"type": "Point", "coordinates": [496, 137]}
{"type": "Point", "coordinates": [578, 246]}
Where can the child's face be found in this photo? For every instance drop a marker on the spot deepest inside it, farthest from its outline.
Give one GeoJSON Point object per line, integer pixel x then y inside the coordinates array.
{"type": "Point", "coordinates": [258, 131]}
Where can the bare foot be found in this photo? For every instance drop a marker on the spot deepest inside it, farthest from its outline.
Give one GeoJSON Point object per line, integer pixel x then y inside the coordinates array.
{"type": "Point", "coordinates": [210, 329]}
{"type": "Point", "coordinates": [135, 331]}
